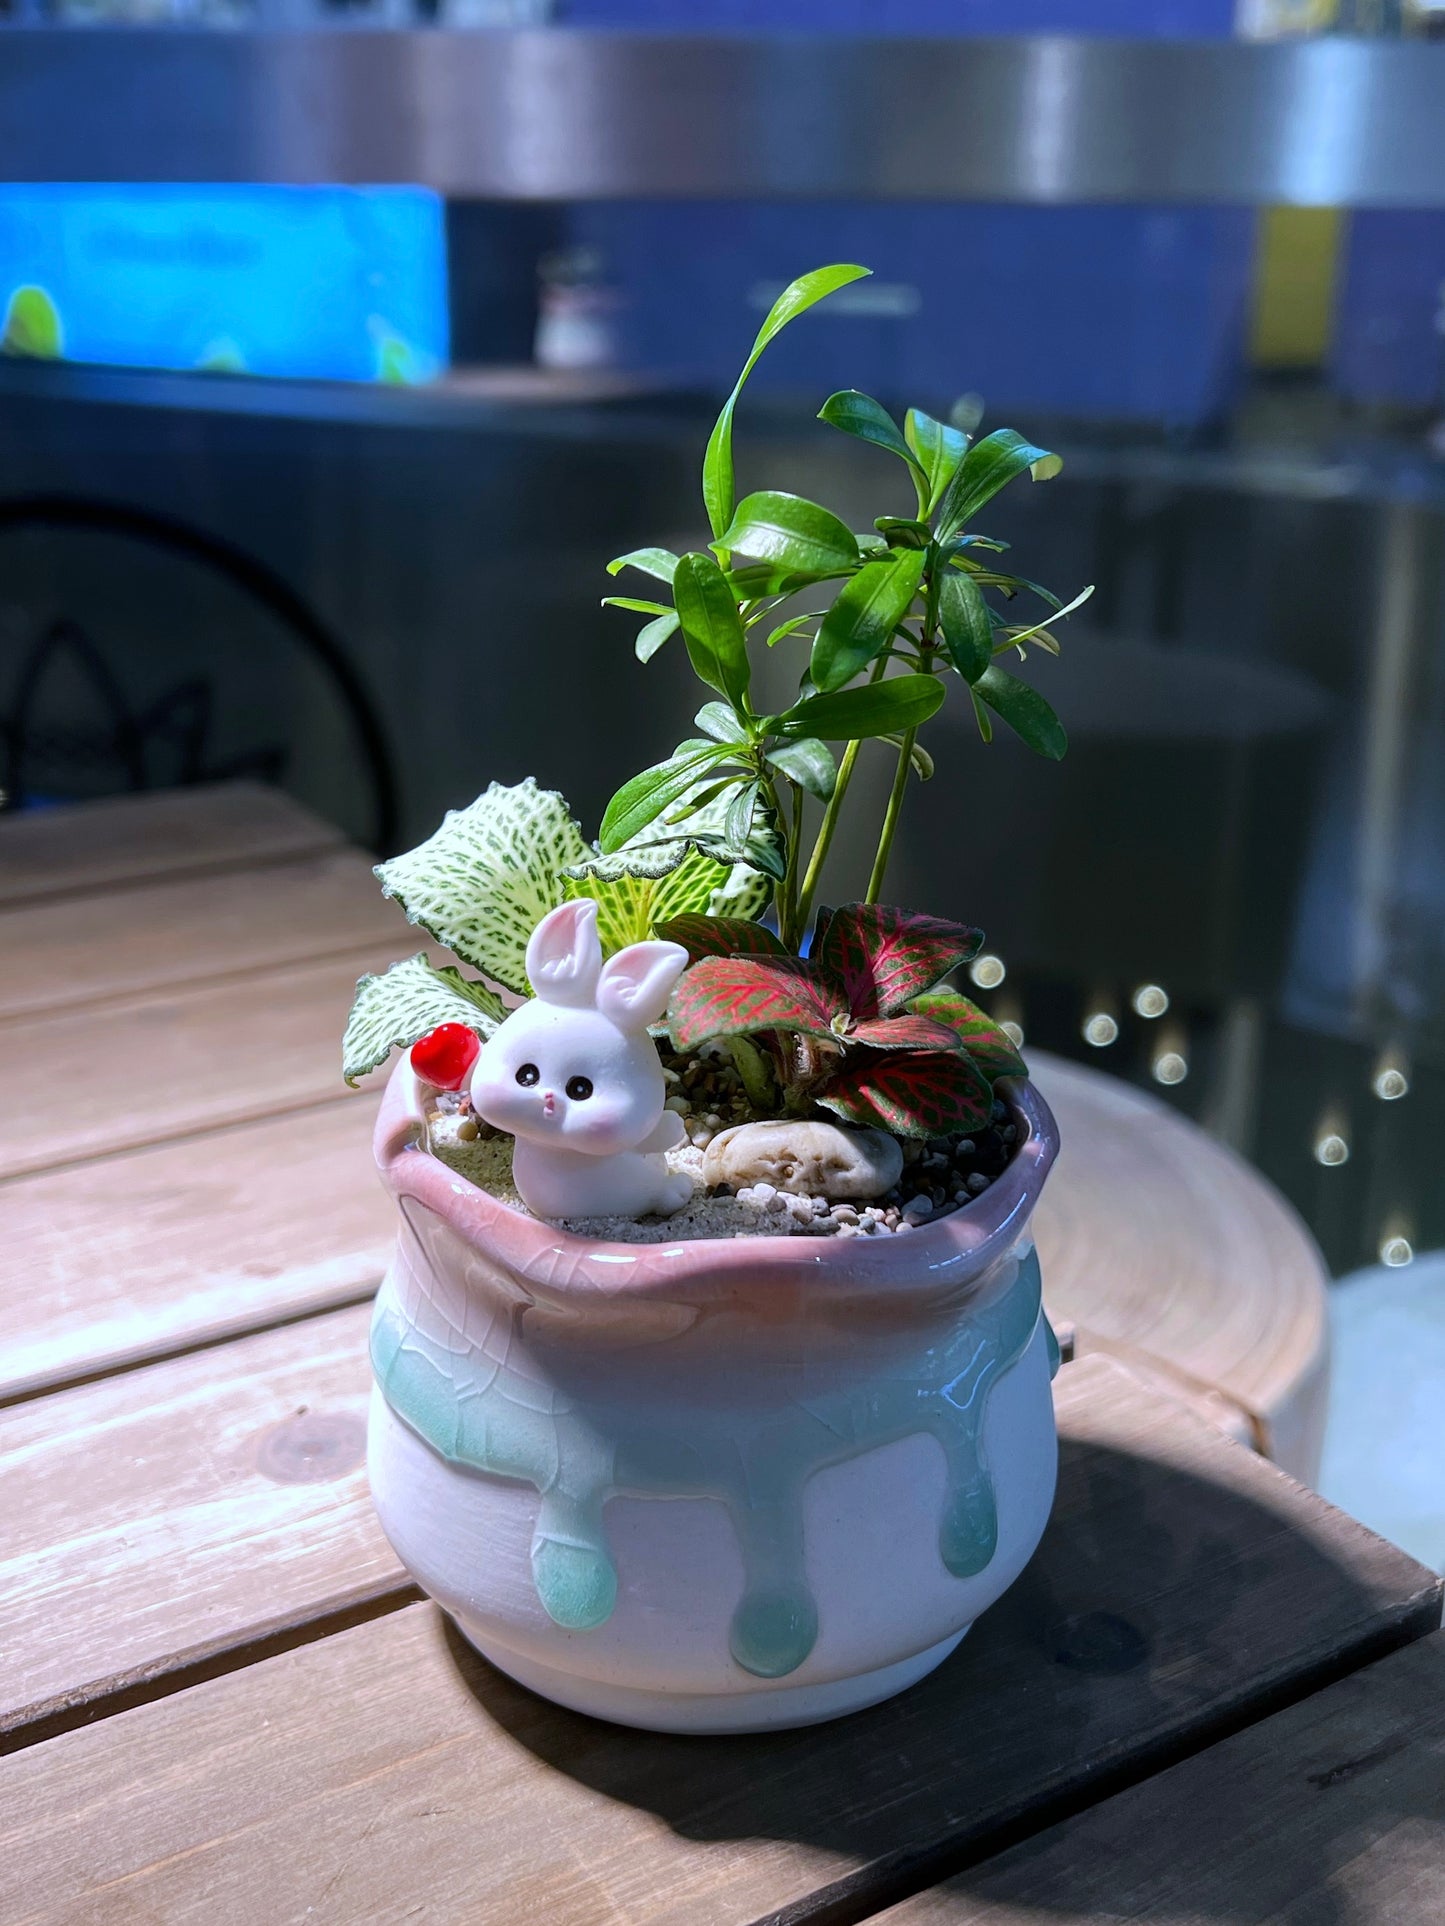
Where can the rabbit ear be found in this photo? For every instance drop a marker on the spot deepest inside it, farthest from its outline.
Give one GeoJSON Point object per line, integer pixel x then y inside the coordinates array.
{"type": "Point", "coordinates": [565, 955]}
{"type": "Point", "coordinates": [637, 981]}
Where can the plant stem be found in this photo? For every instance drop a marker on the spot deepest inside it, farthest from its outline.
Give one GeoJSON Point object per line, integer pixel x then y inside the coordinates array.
{"type": "Point", "coordinates": [821, 847]}
{"type": "Point", "coordinates": [788, 916]}
{"type": "Point", "coordinates": [752, 1067]}
{"type": "Point", "coordinates": [890, 820]}
{"type": "Point", "coordinates": [813, 874]}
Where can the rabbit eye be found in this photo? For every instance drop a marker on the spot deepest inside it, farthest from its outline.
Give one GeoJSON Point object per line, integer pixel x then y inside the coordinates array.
{"type": "Point", "coordinates": [528, 1075]}
{"type": "Point", "coordinates": [579, 1089]}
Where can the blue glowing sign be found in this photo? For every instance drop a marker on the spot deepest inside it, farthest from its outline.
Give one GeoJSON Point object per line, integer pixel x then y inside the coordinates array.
{"type": "Point", "coordinates": [346, 284]}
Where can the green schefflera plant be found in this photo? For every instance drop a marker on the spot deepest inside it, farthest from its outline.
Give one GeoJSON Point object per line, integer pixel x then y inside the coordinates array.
{"type": "Point", "coordinates": [737, 824]}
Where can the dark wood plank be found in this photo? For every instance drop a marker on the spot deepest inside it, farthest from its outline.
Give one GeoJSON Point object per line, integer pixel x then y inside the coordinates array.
{"type": "Point", "coordinates": [166, 1064]}
{"type": "Point", "coordinates": [100, 845]}
{"type": "Point", "coordinates": [154, 1251]}
{"type": "Point", "coordinates": [1184, 1587]}
{"type": "Point", "coordinates": [151, 1520]}
{"type": "Point", "coordinates": [81, 949]}
{"type": "Point", "coordinates": [1332, 1811]}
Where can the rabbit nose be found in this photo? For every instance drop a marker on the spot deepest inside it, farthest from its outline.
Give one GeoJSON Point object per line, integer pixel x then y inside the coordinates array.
{"type": "Point", "coordinates": [549, 1102]}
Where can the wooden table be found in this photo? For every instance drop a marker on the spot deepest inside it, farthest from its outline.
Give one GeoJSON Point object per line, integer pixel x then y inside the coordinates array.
{"type": "Point", "coordinates": [1210, 1697]}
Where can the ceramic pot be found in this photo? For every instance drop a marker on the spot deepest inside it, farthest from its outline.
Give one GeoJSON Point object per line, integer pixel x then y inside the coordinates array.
{"type": "Point", "coordinates": [719, 1485]}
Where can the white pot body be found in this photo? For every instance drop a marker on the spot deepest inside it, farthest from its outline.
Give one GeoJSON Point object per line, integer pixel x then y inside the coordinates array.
{"type": "Point", "coordinates": [710, 1486]}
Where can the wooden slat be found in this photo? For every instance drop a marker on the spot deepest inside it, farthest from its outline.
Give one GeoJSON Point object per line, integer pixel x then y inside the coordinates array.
{"type": "Point", "coordinates": [1333, 1811]}
{"type": "Point", "coordinates": [102, 844]}
{"type": "Point", "coordinates": [150, 1520]}
{"type": "Point", "coordinates": [1162, 1247]}
{"type": "Point", "coordinates": [157, 1250]}
{"type": "Point", "coordinates": [80, 949]}
{"type": "Point", "coordinates": [149, 1068]}
{"type": "Point", "coordinates": [1184, 1586]}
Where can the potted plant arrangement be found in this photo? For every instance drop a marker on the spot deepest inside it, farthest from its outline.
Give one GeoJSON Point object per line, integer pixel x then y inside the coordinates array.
{"type": "Point", "coordinates": [712, 1379]}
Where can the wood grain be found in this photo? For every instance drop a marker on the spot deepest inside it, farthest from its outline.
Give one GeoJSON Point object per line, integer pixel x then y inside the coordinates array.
{"type": "Point", "coordinates": [156, 1250]}
{"type": "Point", "coordinates": [1184, 1587]}
{"type": "Point", "coordinates": [102, 845]}
{"type": "Point", "coordinates": [79, 949]}
{"type": "Point", "coordinates": [163, 1065]}
{"type": "Point", "coordinates": [150, 1520]}
{"type": "Point", "coordinates": [1333, 1811]}
{"type": "Point", "coordinates": [1168, 1251]}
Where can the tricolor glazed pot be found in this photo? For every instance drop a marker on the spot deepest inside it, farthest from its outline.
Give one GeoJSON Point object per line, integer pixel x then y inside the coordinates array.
{"type": "Point", "coordinates": [714, 1485]}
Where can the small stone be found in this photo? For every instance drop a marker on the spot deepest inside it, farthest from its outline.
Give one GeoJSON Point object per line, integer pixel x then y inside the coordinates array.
{"type": "Point", "coordinates": [678, 1104]}
{"type": "Point", "coordinates": [776, 1202]}
{"type": "Point", "coordinates": [917, 1211]}
{"type": "Point", "coordinates": [902, 1226]}
{"type": "Point", "coordinates": [713, 1120]}
{"type": "Point", "coordinates": [850, 1230]}
{"type": "Point", "coordinates": [806, 1156]}
{"type": "Point", "coordinates": [1009, 1133]}
{"type": "Point", "coordinates": [670, 1076]}
{"type": "Point", "coordinates": [964, 1149]}
{"type": "Point", "coordinates": [764, 1193]}
{"type": "Point", "coordinates": [467, 1132]}
{"type": "Point", "coordinates": [978, 1183]}
{"type": "Point", "coordinates": [844, 1214]}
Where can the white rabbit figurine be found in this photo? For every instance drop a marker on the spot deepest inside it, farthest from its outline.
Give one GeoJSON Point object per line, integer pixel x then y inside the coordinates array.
{"type": "Point", "coordinates": [574, 1076]}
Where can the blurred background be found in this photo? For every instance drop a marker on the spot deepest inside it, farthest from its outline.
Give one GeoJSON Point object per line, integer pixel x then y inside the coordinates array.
{"type": "Point", "coordinates": [313, 472]}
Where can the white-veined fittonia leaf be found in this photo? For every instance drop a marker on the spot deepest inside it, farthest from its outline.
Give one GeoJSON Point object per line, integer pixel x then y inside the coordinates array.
{"type": "Point", "coordinates": [406, 1002]}
{"type": "Point", "coordinates": [489, 875]}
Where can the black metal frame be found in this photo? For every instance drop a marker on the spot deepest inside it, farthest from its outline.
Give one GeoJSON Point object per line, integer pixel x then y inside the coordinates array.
{"type": "Point", "coordinates": [253, 579]}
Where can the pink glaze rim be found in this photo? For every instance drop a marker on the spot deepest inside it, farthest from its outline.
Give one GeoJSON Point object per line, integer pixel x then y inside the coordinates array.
{"type": "Point", "coordinates": [561, 1265]}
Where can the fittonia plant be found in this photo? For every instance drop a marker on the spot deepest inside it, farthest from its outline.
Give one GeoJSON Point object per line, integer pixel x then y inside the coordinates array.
{"type": "Point", "coordinates": [737, 823]}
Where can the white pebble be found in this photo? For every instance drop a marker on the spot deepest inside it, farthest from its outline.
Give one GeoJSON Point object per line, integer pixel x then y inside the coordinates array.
{"type": "Point", "coordinates": [678, 1104]}
{"type": "Point", "coordinates": [903, 1224]}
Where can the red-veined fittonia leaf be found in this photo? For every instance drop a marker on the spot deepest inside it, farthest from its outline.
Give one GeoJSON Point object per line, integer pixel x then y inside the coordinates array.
{"type": "Point", "coordinates": [883, 958]}
{"type": "Point", "coordinates": [906, 1032]}
{"type": "Point", "coordinates": [725, 996]}
{"type": "Point", "coordinates": [703, 936]}
{"type": "Point", "coordinates": [988, 1045]}
{"type": "Point", "coordinates": [917, 1093]}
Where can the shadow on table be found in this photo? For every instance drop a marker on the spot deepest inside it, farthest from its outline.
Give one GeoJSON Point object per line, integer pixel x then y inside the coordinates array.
{"type": "Point", "coordinates": [1164, 1609]}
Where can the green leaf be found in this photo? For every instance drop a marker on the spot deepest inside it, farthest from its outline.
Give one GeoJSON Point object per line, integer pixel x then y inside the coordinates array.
{"type": "Point", "coordinates": [650, 639]}
{"type": "Point", "coordinates": [861, 622]}
{"type": "Point", "coordinates": [642, 800]}
{"type": "Point", "coordinates": [860, 415]}
{"type": "Point", "coordinates": [759, 581]}
{"type": "Point", "coordinates": [1024, 710]}
{"type": "Point", "coordinates": [990, 1047]}
{"type": "Point", "coordinates": [717, 469]}
{"type": "Point", "coordinates": [922, 762]}
{"type": "Point", "coordinates": [662, 845]}
{"type": "Point", "coordinates": [722, 723]}
{"type": "Point", "coordinates": [808, 762]}
{"type": "Point", "coordinates": [631, 602]}
{"type": "Point", "coordinates": [796, 534]}
{"type": "Point", "coordinates": [876, 710]}
{"type": "Point", "coordinates": [652, 561]}
{"type": "Point", "coordinates": [488, 876]}
{"type": "Point", "coordinates": [1018, 635]}
{"type": "Point", "coordinates": [790, 627]}
{"type": "Point", "coordinates": [902, 531]}
{"type": "Point", "coordinates": [966, 622]}
{"type": "Point", "coordinates": [408, 1001]}
{"type": "Point", "coordinates": [939, 449]}
{"type": "Point", "coordinates": [991, 464]}
{"type": "Point", "coordinates": [711, 626]}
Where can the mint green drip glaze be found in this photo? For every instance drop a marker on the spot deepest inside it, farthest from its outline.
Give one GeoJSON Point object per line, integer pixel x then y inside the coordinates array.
{"type": "Point", "coordinates": [480, 1413]}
